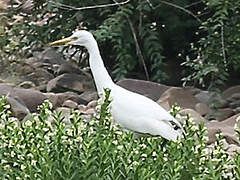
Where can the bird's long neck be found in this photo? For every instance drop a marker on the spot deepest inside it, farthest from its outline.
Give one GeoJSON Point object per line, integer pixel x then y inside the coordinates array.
{"type": "Point", "coordinates": [100, 74]}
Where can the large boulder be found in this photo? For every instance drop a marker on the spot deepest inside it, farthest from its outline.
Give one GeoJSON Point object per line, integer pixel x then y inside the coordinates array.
{"type": "Point", "coordinates": [31, 98]}
{"type": "Point", "coordinates": [226, 127]}
{"type": "Point", "coordinates": [197, 118]}
{"type": "Point", "coordinates": [59, 98]}
{"type": "Point", "coordinates": [70, 82]}
{"type": "Point", "coordinates": [181, 96]}
{"type": "Point", "coordinates": [89, 95]}
{"type": "Point", "coordinates": [146, 88]}
{"type": "Point", "coordinates": [230, 91]}
{"type": "Point", "coordinates": [18, 108]}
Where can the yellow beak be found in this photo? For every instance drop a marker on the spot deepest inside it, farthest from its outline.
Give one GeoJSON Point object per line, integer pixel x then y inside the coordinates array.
{"type": "Point", "coordinates": [61, 42]}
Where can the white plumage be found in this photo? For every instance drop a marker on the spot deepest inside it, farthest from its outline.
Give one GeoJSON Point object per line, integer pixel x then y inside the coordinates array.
{"type": "Point", "coordinates": [130, 110]}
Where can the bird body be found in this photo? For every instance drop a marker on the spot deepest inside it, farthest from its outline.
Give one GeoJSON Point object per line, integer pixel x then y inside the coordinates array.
{"type": "Point", "coordinates": [130, 110]}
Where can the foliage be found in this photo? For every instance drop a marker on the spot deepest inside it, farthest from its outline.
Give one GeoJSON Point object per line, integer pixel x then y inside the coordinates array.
{"type": "Point", "coordinates": [217, 51]}
{"type": "Point", "coordinates": [137, 31]}
{"type": "Point", "coordinates": [98, 149]}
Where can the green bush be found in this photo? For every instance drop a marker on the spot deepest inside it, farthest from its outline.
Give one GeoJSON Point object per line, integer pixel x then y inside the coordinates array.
{"type": "Point", "coordinates": [133, 38]}
{"type": "Point", "coordinates": [98, 149]}
{"type": "Point", "coordinates": [216, 54]}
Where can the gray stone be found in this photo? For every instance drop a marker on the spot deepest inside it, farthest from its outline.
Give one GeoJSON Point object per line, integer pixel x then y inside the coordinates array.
{"type": "Point", "coordinates": [92, 104]}
{"type": "Point", "coordinates": [225, 113]}
{"type": "Point", "coordinates": [226, 127]}
{"type": "Point", "coordinates": [30, 97]}
{"type": "Point", "coordinates": [183, 97]}
{"type": "Point", "coordinates": [18, 108]}
{"type": "Point", "coordinates": [27, 84]}
{"type": "Point", "coordinates": [89, 95]}
{"type": "Point", "coordinates": [202, 109]}
{"type": "Point", "coordinates": [70, 104]}
{"type": "Point", "coordinates": [230, 91]}
{"type": "Point", "coordinates": [194, 114]}
{"type": "Point", "coordinates": [70, 82]}
{"type": "Point", "coordinates": [59, 98]}
{"type": "Point", "coordinates": [146, 88]}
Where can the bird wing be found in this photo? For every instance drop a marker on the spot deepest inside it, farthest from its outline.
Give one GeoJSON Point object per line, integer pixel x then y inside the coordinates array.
{"type": "Point", "coordinates": [139, 113]}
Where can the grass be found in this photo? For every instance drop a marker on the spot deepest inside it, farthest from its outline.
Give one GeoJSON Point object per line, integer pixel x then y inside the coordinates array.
{"type": "Point", "coordinates": [98, 149]}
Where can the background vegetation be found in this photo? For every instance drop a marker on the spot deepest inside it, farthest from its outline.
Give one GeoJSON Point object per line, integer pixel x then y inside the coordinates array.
{"type": "Point", "coordinates": [142, 39]}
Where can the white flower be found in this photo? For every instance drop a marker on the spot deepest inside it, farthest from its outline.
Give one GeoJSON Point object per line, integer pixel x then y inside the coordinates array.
{"type": "Point", "coordinates": [6, 167]}
{"type": "Point", "coordinates": [165, 159]}
{"type": "Point", "coordinates": [33, 162]}
{"type": "Point", "coordinates": [120, 147]}
{"type": "Point", "coordinates": [2, 125]}
{"type": "Point", "coordinates": [30, 155]}
{"type": "Point", "coordinates": [13, 153]}
{"type": "Point", "coordinates": [118, 132]}
{"type": "Point", "coordinates": [45, 129]}
{"type": "Point", "coordinates": [135, 163]}
{"type": "Point", "coordinates": [28, 123]}
{"type": "Point", "coordinates": [15, 164]}
{"type": "Point", "coordinates": [115, 142]}
{"type": "Point", "coordinates": [144, 155]}
{"type": "Point", "coordinates": [3, 161]}
{"type": "Point", "coordinates": [143, 146]}
{"type": "Point", "coordinates": [154, 153]}
{"type": "Point", "coordinates": [22, 167]}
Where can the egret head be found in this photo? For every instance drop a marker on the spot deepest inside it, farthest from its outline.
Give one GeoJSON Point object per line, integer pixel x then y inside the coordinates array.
{"type": "Point", "coordinates": [80, 37]}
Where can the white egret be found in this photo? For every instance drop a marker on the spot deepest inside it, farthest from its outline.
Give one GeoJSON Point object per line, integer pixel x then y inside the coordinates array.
{"type": "Point", "coordinates": [130, 110]}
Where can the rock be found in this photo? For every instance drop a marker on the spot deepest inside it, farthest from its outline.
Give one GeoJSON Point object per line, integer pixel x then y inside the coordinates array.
{"type": "Point", "coordinates": [225, 113]}
{"type": "Point", "coordinates": [90, 111]}
{"type": "Point", "coordinates": [219, 103]}
{"type": "Point", "coordinates": [42, 88]}
{"type": "Point", "coordinates": [89, 95]}
{"type": "Point", "coordinates": [18, 108]}
{"type": "Point", "coordinates": [30, 97]}
{"type": "Point", "coordinates": [236, 110]}
{"type": "Point", "coordinates": [226, 127]}
{"type": "Point", "coordinates": [182, 97]}
{"type": "Point", "coordinates": [70, 104]}
{"type": "Point", "coordinates": [235, 104]}
{"type": "Point", "coordinates": [164, 104]}
{"type": "Point", "coordinates": [202, 109]}
{"type": "Point", "coordinates": [212, 131]}
{"type": "Point", "coordinates": [59, 98]}
{"type": "Point", "coordinates": [232, 149]}
{"type": "Point", "coordinates": [234, 97]}
{"type": "Point", "coordinates": [27, 84]}
{"type": "Point", "coordinates": [5, 89]}
{"type": "Point", "coordinates": [2, 80]}
{"type": "Point", "coordinates": [82, 108]}
{"type": "Point", "coordinates": [194, 114]}
{"type": "Point", "coordinates": [67, 68]}
{"type": "Point", "coordinates": [70, 82]}
{"type": "Point", "coordinates": [50, 56]}
{"type": "Point", "coordinates": [231, 121]}
{"type": "Point", "coordinates": [204, 96]}
{"type": "Point", "coordinates": [146, 88]}
{"type": "Point", "coordinates": [230, 91]}
{"type": "Point", "coordinates": [92, 104]}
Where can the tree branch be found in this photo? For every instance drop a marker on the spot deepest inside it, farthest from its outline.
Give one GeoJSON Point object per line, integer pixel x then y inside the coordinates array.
{"type": "Point", "coordinates": [223, 46]}
{"type": "Point", "coordinates": [138, 49]}
{"type": "Point", "coordinates": [181, 8]}
{"type": "Point", "coordinates": [139, 52]}
{"type": "Point", "coordinates": [68, 7]}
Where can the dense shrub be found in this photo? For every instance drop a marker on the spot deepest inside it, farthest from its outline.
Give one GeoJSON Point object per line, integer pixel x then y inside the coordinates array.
{"type": "Point", "coordinates": [98, 149]}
